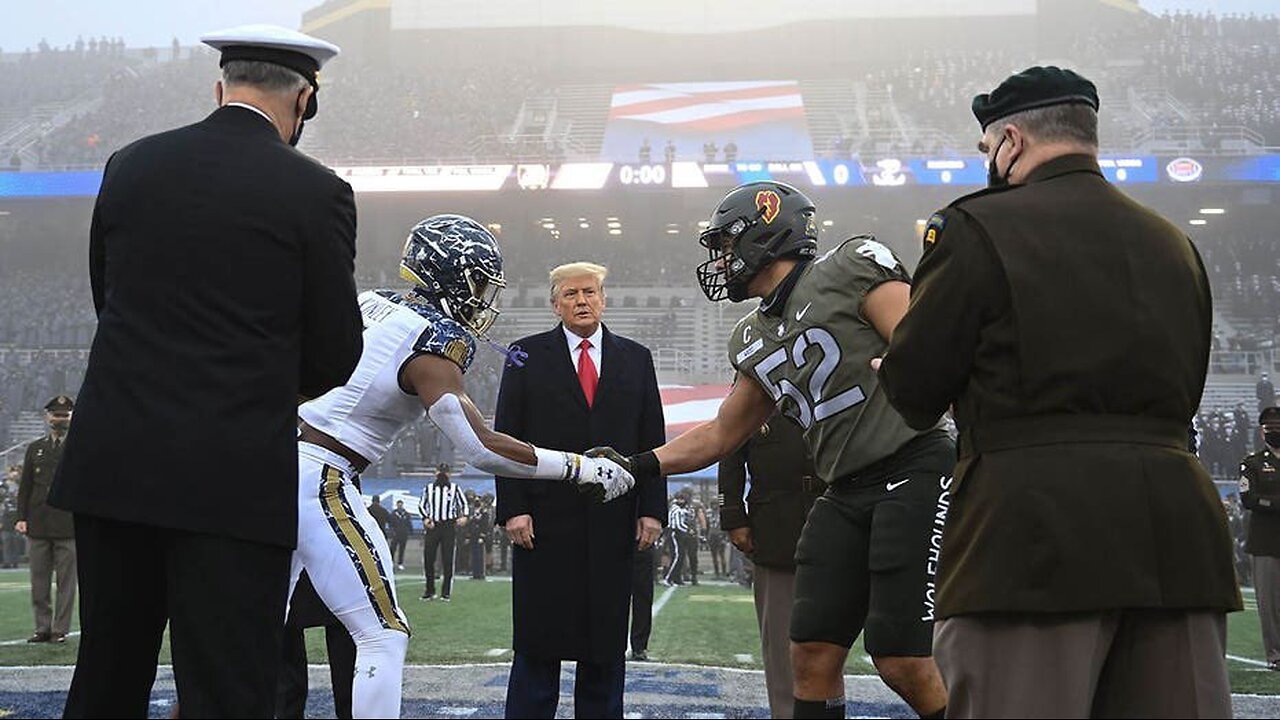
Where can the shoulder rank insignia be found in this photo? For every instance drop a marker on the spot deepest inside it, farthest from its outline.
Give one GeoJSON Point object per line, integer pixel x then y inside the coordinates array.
{"type": "Point", "coordinates": [934, 227]}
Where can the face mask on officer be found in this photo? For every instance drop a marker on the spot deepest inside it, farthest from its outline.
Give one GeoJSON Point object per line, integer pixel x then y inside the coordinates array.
{"type": "Point", "coordinates": [307, 111]}
{"type": "Point", "coordinates": [1272, 437]}
{"type": "Point", "coordinates": [995, 178]}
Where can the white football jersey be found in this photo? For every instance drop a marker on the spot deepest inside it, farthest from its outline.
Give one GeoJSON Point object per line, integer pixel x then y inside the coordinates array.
{"type": "Point", "coordinates": [369, 411]}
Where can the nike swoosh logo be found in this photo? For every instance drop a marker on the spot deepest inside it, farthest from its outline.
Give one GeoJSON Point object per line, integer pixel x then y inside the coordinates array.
{"type": "Point", "coordinates": [801, 313]}
{"type": "Point", "coordinates": [891, 486]}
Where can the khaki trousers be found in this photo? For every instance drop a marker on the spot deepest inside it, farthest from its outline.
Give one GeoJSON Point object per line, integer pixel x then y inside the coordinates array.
{"type": "Point", "coordinates": [1266, 585]}
{"type": "Point", "coordinates": [775, 594]}
{"type": "Point", "coordinates": [1121, 663]}
{"type": "Point", "coordinates": [50, 557]}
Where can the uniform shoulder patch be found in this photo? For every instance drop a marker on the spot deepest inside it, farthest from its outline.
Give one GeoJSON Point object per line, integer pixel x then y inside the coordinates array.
{"type": "Point", "coordinates": [934, 227]}
{"type": "Point", "coordinates": [448, 339]}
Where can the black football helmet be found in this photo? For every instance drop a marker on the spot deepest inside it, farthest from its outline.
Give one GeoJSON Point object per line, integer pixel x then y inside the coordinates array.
{"type": "Point", "coordinates": [752, 226]}
{"type": "Point", "coordinates": [455, 261]}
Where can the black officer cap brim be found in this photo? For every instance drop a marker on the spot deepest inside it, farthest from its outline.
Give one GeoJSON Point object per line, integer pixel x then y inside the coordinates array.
{"type": "Point", "coordinates": [60, 404]}
{"type": "Point", "coordinates": [1270, 414]}
{"type": "Point", "coordinates": [1031, 89]}
{"type": "Point", "coordinates": [301, 63]}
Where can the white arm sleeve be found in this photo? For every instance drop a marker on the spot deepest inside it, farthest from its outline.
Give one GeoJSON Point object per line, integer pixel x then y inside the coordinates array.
{"type": "Point", "coordinates": [448, 415]}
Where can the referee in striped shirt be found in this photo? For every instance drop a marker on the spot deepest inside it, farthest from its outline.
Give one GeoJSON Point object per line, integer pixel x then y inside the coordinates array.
{"type": "Point", "coordinates": [680, 523]}
{"type": "Point", "coordinates": [443, 508]}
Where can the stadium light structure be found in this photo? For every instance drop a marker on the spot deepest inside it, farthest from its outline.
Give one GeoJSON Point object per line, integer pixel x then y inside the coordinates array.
{"type": "Point", "coordinates": [1199, 221]}
{"type": "Point", "coordinates": [613, 224]}
{"type": "Point", "coordinates": [1213, 211]}
{"type": "Point", "coordinates": [615, 231]}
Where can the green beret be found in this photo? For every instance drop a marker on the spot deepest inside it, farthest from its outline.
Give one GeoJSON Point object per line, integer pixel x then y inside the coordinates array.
{"type": "Point", "coordinates": [1035, 87]}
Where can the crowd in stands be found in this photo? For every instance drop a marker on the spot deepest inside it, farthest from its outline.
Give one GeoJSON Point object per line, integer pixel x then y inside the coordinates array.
{"type": "Point", "coordinates": [1224, 437]}
{"type": "Point", "coordinates": [49, 75]}
{"type": "Point", "coordinates": [370, 113]}
{"type": "Point", "coordinates": [1221, 71]}
{"type": "Point", "coordinates": [1244, 271]}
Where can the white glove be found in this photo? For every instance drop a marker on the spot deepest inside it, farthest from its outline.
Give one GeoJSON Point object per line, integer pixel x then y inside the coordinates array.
{"type": "Point", "coordinates": [604, 478]}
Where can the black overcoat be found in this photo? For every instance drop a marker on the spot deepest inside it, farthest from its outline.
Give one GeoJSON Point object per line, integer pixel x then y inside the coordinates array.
{"type": "Point", "coordinates": [221, 264]}
{"type": "Point", "coordinates": [571, 593]}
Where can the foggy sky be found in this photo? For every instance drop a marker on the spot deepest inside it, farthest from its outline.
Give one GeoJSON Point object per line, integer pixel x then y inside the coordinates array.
{"type": "Point", "coordinates": [155, 23]}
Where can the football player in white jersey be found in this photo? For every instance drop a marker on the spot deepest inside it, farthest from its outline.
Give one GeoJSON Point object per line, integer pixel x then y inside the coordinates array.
{"type": "Point", "coordinates": [417, 345]}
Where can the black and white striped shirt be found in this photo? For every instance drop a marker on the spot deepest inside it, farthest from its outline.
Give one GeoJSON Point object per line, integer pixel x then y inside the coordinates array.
{"type": "Point", "coordinates": [443, 502]}
{"type": "Point", "coordinates": [678, 518]}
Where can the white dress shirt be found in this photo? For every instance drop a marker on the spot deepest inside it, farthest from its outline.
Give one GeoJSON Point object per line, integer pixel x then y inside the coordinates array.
{"type": "Point", "coordinates": [574, 351]}
{"type": "Point", "coordinates": [247, 106]}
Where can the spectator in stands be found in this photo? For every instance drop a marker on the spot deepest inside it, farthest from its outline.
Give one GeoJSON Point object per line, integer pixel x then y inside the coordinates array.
{"type": "Point", "coordinates": [709, 151]}
{"type": "Point", "coordinates": [1266, 392]}
{"type": "Point", "coordinates": [50, 533]}
{"type": "Point", "coordinates": [669, 152]}
{"type": "Point", "coordinates": [730, 151]}
{"type": "Point", "coordinates": [646, 152]}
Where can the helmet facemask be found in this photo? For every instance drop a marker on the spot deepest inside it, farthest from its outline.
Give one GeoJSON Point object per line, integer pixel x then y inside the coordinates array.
{"type": "Point", "coordinates": [479, 311]}
{"type": "Point", "coordinates": [725, 274]}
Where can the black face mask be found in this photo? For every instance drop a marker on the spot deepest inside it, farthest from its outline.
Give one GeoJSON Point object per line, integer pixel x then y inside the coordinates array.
{"type": "Point", "coordinates": [994, 178]}
{"type": "Point", "coordinates": [308, 113]}
{"type": "Point", "coordinates": [1272, 437]}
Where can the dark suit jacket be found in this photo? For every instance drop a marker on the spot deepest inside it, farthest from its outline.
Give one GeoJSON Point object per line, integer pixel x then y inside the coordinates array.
{"type": "Point", "coordinates": [38, 466]}
{"type": "Point", "coordinates": [1070, 327]}
{"type": "Point", "coordinates": [572, 591]}
{"type": "Point", "coordinates": [784, 486]}
{"type": "Point", "coordinates": [221, 261]}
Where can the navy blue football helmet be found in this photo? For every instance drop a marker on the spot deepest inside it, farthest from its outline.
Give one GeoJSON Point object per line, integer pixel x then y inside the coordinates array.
{"type": "Point", "coordinates": [455, 262]}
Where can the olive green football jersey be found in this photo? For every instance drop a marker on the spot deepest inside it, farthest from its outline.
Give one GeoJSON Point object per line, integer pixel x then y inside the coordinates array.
{"type": "Point", "coordinates": [814, 358]}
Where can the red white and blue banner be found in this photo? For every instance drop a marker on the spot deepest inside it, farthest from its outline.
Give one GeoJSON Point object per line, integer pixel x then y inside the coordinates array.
{"type": "Point", "coordinates": [762, 118]}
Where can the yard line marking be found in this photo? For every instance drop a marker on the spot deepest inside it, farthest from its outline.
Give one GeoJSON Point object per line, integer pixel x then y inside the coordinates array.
{"type": "Point", "coordinates": [662, 601]}
{"type": "Point", "coordinates": [1247, 661]}
{"type": "Point", "coordinates": [23, 641]}
{"type": "Point", "coordinates": [496, 652]}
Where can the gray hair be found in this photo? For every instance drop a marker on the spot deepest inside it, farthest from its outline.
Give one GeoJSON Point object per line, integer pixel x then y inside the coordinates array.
{"type": "Point", "coordinates": [1072, 123]}
{"type": "Point", "coordinates": [265, 76]}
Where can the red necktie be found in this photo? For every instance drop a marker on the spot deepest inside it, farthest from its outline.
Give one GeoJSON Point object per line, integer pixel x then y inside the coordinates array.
{"type": "Point", "coordinates": [587, 375]}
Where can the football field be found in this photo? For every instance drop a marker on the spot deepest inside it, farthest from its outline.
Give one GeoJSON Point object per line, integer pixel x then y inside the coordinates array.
{"type": "Point", "coordinates": [708, 625]}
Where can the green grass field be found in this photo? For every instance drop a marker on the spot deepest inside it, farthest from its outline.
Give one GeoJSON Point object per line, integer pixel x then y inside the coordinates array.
{"type": "Point", "coordinates": [705, 625]}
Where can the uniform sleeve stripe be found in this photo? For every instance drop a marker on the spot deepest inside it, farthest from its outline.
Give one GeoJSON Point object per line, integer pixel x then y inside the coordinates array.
{"type": "Point", "coordinates": [361, 550]}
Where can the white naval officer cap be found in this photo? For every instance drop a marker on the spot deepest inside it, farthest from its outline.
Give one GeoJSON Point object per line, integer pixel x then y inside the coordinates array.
{"type": "Point", "coordinates": [297, 51]}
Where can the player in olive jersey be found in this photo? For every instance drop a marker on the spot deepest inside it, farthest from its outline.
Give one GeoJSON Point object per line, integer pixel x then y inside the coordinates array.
{"type": "Point", "coordinates": [867, 556]}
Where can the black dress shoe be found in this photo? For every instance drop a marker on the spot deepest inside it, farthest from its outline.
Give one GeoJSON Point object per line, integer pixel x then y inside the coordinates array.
{"type": "Point", "coordinates": [39, 637]}
{"type": "Point", "coordinates": [640, 655]}
{"type": "Point", "coordinates": [59, 638]}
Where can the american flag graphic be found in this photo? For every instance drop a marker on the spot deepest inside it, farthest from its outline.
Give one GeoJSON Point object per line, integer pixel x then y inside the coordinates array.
{"type": "Point", "coordinates": [765, 119]}
{"type": "Point", "coordinates": [685, 406]}
{"type": "Point", "coordinates": [708, 106]}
